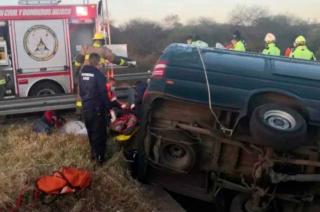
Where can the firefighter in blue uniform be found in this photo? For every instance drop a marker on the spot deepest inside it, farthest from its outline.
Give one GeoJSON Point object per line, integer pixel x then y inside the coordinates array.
{"type": "Point", "coordinates": [95, 104]}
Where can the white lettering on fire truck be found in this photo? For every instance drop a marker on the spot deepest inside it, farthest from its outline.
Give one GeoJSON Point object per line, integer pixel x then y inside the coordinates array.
{"type": "Point", "coordinates": [35, 12]}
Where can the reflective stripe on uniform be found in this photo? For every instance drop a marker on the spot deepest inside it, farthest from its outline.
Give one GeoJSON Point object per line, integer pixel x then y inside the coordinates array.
{"type": "Point", "coordinates": [122, 62]}
{"type": "Point", "coordinates": [78, 104]}
{"type": "Point", "coordinates": [2, 81]}
{"type": "Point", "coordinates": [77, 64]}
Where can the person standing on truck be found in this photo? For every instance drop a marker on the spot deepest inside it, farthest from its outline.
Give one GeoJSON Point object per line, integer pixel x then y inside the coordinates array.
{"type": "Point", "coordinates": [95, 103]}
{"type": "Point", "coordinates": [271, 47]}
{"type": "Point", "coordinates": [195, 41]}
{"type": "Point", "coordinates": [237, 42]}
{"type": "Point", "coordinates": [301, 50]}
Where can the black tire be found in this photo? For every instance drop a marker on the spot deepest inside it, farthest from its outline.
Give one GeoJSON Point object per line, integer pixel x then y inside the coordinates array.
{"type": "Point", "coordinates": [45, 89]}
{"type": "Point", "coordinates": [142, 167]}
{"type": "Point", "coordinates": [140, 163]}
{"type": "Point", "coordinates": [279, 127]}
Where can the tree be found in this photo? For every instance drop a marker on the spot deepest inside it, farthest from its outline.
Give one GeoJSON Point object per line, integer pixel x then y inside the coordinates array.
{"type": "Point", "coordinates": [171, 22]}
{"type": "Point", "coordinates": [243, 15]}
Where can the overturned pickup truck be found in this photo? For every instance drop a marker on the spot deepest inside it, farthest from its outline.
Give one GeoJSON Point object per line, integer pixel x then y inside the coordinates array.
{"type": "Point", "coordinates": [216, 120]}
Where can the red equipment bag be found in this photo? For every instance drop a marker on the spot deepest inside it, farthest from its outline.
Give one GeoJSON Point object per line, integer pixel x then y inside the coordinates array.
{"type": "Point", "coordinates": [66, 180]}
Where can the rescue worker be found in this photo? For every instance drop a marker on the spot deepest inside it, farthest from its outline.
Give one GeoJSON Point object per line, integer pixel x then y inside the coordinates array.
{"type": "Point", "coordinates": [95, 105]}
{"type": "Point", "coordinates": [48, 122]}
{"type": "Point", "coordinates": [237, 42]}
{"type": "Point", "coordinates": [106, 54]}
{"type": "Point", "coordinates": [195, 41]}
{"type": "Point", "coordinates": [301, 50]}
{"type": "Point", "coordinates": [110, 86]}
{"type": "Point", "coordinates": [271, 48]}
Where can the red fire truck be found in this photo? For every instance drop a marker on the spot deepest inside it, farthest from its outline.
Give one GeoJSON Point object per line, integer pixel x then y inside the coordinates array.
{"type": "Point", "coordinates": [38, 44]}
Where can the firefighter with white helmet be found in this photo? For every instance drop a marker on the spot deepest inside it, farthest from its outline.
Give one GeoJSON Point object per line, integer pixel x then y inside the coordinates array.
{"type": "Point", "coordinates": [301, 50]}
{"type": "Point", "coordinates": [271, 47]}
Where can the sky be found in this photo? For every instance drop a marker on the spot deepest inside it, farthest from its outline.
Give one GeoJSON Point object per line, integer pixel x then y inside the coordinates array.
{"type": "Point", "coordinates": [218, 10]}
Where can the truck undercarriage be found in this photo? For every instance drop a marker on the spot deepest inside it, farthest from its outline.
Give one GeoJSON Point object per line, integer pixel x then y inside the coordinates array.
{"type": "Point", "coordinates": [186, 154]}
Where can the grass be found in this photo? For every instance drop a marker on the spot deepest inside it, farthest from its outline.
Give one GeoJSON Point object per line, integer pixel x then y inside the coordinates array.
{"type": "Point", "coordinates": [24, 156]}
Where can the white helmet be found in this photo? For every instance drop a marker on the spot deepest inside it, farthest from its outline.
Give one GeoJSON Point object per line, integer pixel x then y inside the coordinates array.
{"type": "Point", "coordinates": [270, 38]}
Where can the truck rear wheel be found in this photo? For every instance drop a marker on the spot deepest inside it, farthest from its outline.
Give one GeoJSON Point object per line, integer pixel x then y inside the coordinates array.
{"type": "Point", "coordinates": [277, 126]}
{"type": "Point", "coordinates": [45, 89]}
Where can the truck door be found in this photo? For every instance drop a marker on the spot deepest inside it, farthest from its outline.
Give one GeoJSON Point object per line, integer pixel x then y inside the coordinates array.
{"type": "Point", "coordinates": [41, 55]}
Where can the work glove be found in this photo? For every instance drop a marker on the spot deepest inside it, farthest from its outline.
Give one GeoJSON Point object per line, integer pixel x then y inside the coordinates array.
{"type": "Point", "coordinates": [124, 106]}
{"type": "Point", "coordinates": [132, 64]}
{"type": "Point", "coordinates": [79, 104]}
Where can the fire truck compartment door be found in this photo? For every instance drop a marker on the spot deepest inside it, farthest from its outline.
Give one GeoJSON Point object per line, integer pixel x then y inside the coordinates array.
{"type": "Point", "coordinates": [40, 45]}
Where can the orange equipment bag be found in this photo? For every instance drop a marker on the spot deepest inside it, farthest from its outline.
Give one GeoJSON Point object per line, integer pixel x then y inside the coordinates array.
{"type": "Point", "coordinates": [66, 180]}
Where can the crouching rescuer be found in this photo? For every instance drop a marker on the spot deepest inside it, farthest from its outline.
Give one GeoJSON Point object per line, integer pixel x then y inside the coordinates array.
{"type": "Point", "coordinates": [95, 105]}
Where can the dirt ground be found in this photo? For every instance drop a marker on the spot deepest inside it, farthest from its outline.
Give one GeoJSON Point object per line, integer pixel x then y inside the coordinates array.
{"type": "Point", "coordinates": [24, 156]}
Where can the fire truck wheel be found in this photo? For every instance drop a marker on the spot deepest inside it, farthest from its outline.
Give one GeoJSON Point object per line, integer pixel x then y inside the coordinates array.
{"type": "Point", "coordinates": [45, 89]}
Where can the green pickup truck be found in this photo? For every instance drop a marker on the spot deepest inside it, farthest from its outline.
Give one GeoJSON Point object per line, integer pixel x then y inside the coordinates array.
{"type": "Point", "coordinates": [218, 121]}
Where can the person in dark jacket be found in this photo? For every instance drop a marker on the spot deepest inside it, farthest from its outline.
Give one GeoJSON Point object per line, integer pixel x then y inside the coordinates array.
{"type": "Point", "coordinates": [95, 104]}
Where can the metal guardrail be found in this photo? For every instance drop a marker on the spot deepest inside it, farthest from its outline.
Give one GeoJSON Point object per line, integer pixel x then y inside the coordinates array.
{"type": "Point", "coordinates": [132, 76]}
{"type": "Point", "coordinates": [61, 102]}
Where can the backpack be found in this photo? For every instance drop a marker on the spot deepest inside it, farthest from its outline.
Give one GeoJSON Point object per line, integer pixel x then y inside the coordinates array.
{"type": "Point", "coordinates": [66, 180]}
{"type": "Point", "coordinates": [50, 187]}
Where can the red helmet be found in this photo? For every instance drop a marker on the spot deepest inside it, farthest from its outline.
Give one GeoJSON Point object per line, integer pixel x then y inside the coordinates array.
{"type": "Point", "coordinates": [50, 117]}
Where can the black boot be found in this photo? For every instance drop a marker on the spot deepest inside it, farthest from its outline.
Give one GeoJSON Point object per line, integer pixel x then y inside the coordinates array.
{"type": "Point", "coordinates": [100, 160]}
{"type": "Point", "coordinates": [93, 156]}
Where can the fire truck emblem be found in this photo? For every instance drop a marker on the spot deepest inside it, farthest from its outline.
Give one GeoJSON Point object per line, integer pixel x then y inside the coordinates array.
{"type": "Point", "coordinates": [40, 42]}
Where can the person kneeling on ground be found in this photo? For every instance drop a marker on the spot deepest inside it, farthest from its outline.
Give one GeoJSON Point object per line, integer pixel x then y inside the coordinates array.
{"type": "Point", "coordinates": [93, 94]}
{"type": "Point", "coordinates": [48, 122]}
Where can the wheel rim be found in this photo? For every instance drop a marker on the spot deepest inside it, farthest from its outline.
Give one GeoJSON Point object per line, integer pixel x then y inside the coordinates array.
{"type": "Point", "coordinates": [280, 120]}
{"type": "Point", "coordinates": [177, 156]}
{"type": "Point", "coordinates": [46, 92]}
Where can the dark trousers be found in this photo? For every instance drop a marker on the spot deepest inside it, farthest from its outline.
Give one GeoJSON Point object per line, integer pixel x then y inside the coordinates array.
{"type": "Point", "coordinates": [96, 124]}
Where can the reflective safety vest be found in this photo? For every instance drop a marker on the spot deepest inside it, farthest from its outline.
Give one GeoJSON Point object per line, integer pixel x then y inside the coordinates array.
{"type": "Point", "coordinates": [302, 52]}
{"type": "Point", "coordinates": [239, 46]}
{"type": "Point", "coordinates": [2, 82]}
{"type": "Point", "coordinates": [271, 49]}
{"type": "Point", "coordinates": [200, 44]}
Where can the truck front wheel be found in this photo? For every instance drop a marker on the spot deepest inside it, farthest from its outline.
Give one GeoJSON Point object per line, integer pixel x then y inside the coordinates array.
{"type": "Point", "coordinates": [45, 89]}
{"type": "Point", "coordinates": [278, 126]}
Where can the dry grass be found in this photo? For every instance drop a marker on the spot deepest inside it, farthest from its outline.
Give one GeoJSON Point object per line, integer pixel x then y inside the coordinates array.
{"type": "Point", "coordinates": [24, 156]}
